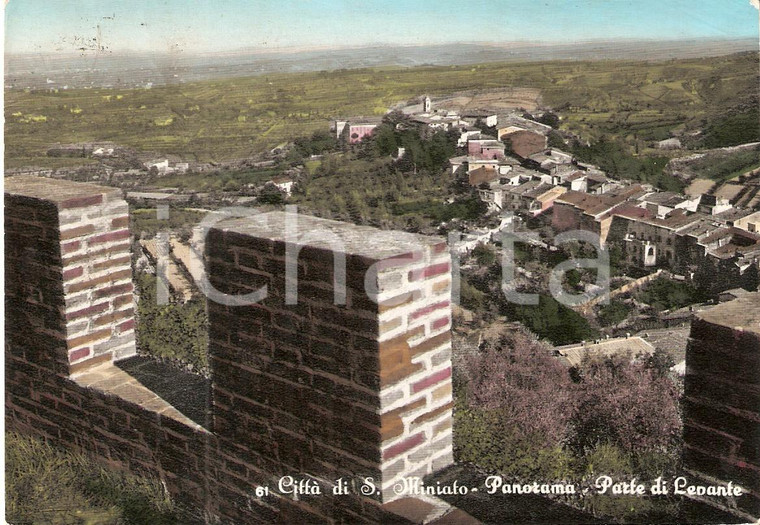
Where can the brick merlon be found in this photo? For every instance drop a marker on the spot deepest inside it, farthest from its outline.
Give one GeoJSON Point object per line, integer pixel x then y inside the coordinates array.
{"type": "Point", "coordinates": [741, 314]}
{"type": "Point", "coordinates": [362, 242]}
{"type": "Point", "coordinates": [62, 193]}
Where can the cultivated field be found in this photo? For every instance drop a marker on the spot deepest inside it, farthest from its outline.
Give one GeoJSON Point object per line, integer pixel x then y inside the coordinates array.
{"type": "Point", "coordinates": [638, 102]}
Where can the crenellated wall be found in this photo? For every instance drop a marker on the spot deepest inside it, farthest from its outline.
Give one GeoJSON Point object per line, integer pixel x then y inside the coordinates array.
{"type": "Point", "coordinates": [334, 385]}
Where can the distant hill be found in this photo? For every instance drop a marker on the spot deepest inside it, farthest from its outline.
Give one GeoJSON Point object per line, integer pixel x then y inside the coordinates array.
{"type": "Point", "coordinates": [140, 69]}
{"type": "Point", "coordinates": [712, 100]}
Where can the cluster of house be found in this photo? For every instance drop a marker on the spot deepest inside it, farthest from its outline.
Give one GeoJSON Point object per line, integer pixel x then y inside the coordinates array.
{"type": "Point", "coordinates": [517, 171]}
{"type": "Point", "coordinates": [702, 237]}
{"type": "Point", "coordinates": [356, 129]}
{"type": "Point", "coordinates": [742, 191]}
{"type": "Point", "coordinates": [165, 166]}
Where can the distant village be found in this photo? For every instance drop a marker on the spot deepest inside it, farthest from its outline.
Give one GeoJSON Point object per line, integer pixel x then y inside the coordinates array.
{"type": "Point", "coordinates": [710, 234]}
{"type": "Point", "coordinates": [713, 230]}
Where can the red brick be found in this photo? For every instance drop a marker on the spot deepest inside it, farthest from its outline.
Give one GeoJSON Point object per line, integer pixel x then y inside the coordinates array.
{"type": "Point", "coordinates": [115, 316]}
{"type": "Point", "coordinates": [440, 247]}
{"type": "Point", "coordinates": [431, 343]}
{"type": "Point", "coordinates": [76, 355]}
{"type": "Point", "coordinates": [431, 380]}
{"type": "Point", "coordinates": [391, 424]}
{"type": "Point", "coordinates": [429, 271]}
{"type": "Point", "coordinates": [120, 222]}
{"type": "Point", "coordinates": [118, 261]}
{"type": "Point", "coordinates": [399, 260]}
{"type": "Point", "coordinates": [399, 300]}
{"type": "Point", "coordinates": [402, 447]}
{"type": "Point", "coordinates": [77, 232]}
{"type": "Point", "coordinates": [91, 255]}
{"type": "Point", "coordinates": [109, 237]}
{"type": "Point", "coordinates": [433, 413]}
{"type": "Point", "coordinates": [113, 290]}
{"type": "Point", "coordinates": [89, 338]}
{"type": "Point", "coordinates": [440, 323]}
{"type": "Point", "coordinates": [429, 309]}
{"type": "Point", "coordinates": [92, 283]}
{"type": "Point", "coordinates": [89, 363]}
{"type": "Point", "coordinates": [122, 300]}
{"type": "Point", "coordinates": [86, 312]}
{"type": "Point", "coordinates": [71, 246]}
{"type": "Point", "coordinates": [81, 202]}
{"type": "Point", "coordinates": [127, 325]}
{"type": "Point", "coordinates": [73, 273]}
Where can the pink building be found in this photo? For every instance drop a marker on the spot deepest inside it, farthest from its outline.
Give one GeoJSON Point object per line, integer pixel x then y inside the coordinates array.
{"type": "Point", "coordinates": [359, 131]}
{"type": "Point", "coordinates": [486, 149]}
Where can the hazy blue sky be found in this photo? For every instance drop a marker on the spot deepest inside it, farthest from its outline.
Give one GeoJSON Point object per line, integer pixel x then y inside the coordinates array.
{"type": "Point", "coordinates": [216, 25]}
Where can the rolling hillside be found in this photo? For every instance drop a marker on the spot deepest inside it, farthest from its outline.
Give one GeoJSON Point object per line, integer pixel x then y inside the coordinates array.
{"type": "Point", "coordinates": [638, 102]}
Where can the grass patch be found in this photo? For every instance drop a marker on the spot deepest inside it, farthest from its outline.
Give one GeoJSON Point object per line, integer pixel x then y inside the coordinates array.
{"type": "Point", "coordinates": [664, 294]}
{"type": "Point", "coordinates": [174, 332]}
{"type": "Point", "coordinates": [46, 485]}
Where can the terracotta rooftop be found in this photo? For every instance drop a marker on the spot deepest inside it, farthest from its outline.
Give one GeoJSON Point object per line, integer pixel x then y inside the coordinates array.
{"type": "Point", "coordinates": [632, 212]}
{"type": "Point", "coordinates": [664, 198]}
{"type": "Point", "coordinates": [590, 203]}
{"type": "Point", "coordinates": [551, 193]}
{"type": "Point", "coordinates": [573, 354]}
{"type": "Point", "coordinates": [720, 233]}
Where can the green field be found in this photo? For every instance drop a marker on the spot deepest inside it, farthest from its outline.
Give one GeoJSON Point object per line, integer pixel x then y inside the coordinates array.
{"type": "Point", "coordinates": [637, 102]}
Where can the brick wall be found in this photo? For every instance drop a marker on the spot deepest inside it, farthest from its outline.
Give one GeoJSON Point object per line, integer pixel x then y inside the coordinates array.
{"type": "Point", "coordinates": [722, 402]}
{"type": "Point", "coordinates": [313, 390]}
{"type": "Point", "coordinates": [68, 272]}
{"type": "Point", "coordinates": [353, 389]}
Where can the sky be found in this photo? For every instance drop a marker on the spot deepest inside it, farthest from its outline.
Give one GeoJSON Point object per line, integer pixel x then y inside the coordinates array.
{"type": "Point", "coordinates": [192, 26]}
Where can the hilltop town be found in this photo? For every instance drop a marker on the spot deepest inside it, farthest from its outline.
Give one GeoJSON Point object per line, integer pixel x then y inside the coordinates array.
{"type": "Point", "coordinates": [483, 362]}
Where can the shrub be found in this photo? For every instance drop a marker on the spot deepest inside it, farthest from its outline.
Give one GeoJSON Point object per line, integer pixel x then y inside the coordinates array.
{"type": "Point", "coordinates": [613, 313]}
{"type": "Point", "coordinates": [512, 416]}
{"type": "Point", "coordinates": [174, 332]}
{"type": "Point", "coordinates": [627, 405]}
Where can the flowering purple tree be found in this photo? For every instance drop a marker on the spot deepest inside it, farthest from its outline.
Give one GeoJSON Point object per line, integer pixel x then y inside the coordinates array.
{"type": "Point", "coordinates": [629, 405]}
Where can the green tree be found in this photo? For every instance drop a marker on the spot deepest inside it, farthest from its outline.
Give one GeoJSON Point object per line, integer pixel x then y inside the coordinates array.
{"type": "Point", "coordinates": [177, 332]}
